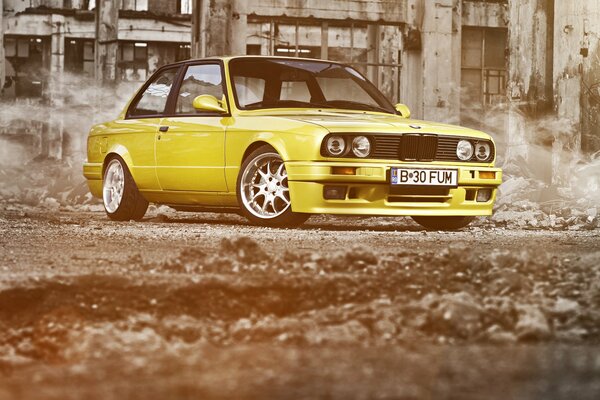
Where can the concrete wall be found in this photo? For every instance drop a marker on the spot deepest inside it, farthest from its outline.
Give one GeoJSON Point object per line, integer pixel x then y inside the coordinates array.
{"type": "Point", "coordinates": [477, 13]}
{"type": "Point", "coordinates": [363, 10]}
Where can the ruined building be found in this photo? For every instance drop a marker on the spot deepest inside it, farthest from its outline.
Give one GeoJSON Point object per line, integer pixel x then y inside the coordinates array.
{"type": "Point", "coordinates": [490, 64]}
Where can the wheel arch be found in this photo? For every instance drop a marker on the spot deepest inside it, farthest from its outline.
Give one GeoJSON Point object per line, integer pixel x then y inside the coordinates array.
{"type": "Point", "coordinates": [121, 152]}
{"type": "Point", "coordinates": [259, 142]}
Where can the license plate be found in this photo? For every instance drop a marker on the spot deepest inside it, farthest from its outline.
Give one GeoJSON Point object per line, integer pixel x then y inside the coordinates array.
{"type": "Point", "coordinates": [424, 177]}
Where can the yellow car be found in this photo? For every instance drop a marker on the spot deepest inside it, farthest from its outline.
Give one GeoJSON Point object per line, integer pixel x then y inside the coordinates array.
{"type": "Point", "coordinates": [279, 139]}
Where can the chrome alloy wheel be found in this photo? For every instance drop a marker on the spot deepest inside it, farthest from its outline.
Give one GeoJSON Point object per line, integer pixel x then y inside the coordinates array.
{"type": "Point", "coordinates": [113, 186]}
{"type": "Point", "coordinates": [264, 186]}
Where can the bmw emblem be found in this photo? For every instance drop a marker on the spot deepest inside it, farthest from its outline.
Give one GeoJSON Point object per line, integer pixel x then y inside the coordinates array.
{"type": "Point", "coordinates": [415, 126]}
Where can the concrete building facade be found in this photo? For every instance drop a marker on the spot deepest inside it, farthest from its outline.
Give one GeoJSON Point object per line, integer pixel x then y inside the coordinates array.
{"type": "Point", "coordinates": [491, 64]}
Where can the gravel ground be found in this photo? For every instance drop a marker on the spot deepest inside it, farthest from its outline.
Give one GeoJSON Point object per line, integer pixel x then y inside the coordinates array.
{"type": "Point", "coordinates": [188, 306]}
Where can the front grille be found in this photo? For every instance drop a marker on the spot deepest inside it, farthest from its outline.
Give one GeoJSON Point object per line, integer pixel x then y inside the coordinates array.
{"type": "Point", "coordinates": [417, 147]}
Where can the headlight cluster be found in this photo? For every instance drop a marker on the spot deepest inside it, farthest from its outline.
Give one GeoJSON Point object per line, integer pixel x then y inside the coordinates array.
{"type": "Point", "coordinates": [350, 146]}
{"type": "Point", "coordinates": [466, 149]}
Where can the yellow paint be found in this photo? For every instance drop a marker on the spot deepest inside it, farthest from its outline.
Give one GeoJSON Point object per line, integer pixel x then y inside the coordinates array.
{"type": "Point", "coordinates": [197, 160]}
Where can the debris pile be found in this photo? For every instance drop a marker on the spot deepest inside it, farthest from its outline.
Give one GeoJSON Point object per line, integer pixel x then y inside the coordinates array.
{"type": "Point", "coordinates": [525, 202]}
{"type": "Point", "coordinates": [47, 184]}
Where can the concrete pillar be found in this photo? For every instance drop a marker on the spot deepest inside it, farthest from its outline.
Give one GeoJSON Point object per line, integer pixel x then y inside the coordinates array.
{"type": "Point", "coordinates": [529, 72]}
{"type": "Point", "coordinates": [218, 25]}
{"type": "Point", "coordinates": [199, 15]}
{"type": "Point", "coordinates": [389, 75]}
{"type": "Point", "coordinates": [57, 49]}
{"type": "Point", "coordinates": [324, 40]}
{"type": "Point", "coordinates": [107, 36]}
{"type": "Point", "coordinates": [373, 41]}
{"type": "Point", "coordinates": [238, 29]}
{"type": "Point", "coordinates": [2, 67]}
{"type": "Point", "coordinates": [411, 88]}
{"type": "Point", "coordinates": [590, 99]}
{"type": "Point", "coordinates": [441, 60]}
{"type": "Point", "coordinates": [56, 87]}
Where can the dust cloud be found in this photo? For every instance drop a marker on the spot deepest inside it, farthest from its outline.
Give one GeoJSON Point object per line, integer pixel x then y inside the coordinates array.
{"type": "Point", "coordinates": [43, 144]}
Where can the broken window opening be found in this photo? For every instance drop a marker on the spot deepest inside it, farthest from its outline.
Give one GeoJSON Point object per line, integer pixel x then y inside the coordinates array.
{"type": "Point", "coordinates": [134, 5]}
{"type": "Point", "coordinates": [29, 56]}
{"type": "Point", "coordinates": [184, 7]}
{"type": "Point", "coordinates": [483, 67]}
{"type": "Point", "coordinates": [133, 61]}
{"type": "Point", "coordinates": [79, 56]}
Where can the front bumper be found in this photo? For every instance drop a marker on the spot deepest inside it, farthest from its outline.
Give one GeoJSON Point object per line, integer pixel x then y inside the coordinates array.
{"type": "Point", "coordinates": [369, 191]}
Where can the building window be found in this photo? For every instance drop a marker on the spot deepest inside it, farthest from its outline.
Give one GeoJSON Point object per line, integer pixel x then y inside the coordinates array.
{"type": "Point", "coordinates": [184, 52]}
{"type": "Point", "coordinates": [79, 56]}
{"type": "Point", "coordinates": [136, 5]}
{"type": "Point", "coordinates": [133, 61]}
{"type": "Point", "coordinates": [131, 52]}
{"type": "Point", "coordinates": [303, 51]}
{"type": "Point", "coordinates": [184, 6]}
{"type": "Point", "coordinates": [253, 49]}
{"type": "Point", "coordinates": [26, 56]}
{"type": "Point", "coordinates": [483, 66]}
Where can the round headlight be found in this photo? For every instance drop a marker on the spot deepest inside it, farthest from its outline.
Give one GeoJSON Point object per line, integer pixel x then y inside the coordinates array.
{"type": "Point", "coordinates": [483, 151]}
{"type": "Point", "coordinates": [336, 145]}
{"type": "Point", "coordinates": [361, 146]}
{"type": "Point", "coordinates": [464, 150]}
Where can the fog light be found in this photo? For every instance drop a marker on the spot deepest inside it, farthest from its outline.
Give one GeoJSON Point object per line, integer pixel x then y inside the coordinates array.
{"type": "Point", "coordinates": [343, 170]}
{"type": "Point", "coordinates": [334, 192]}
{"type": "Point", "coordinates": [484, 195]}
{"type": "Point", "coordinates": [487, 175]}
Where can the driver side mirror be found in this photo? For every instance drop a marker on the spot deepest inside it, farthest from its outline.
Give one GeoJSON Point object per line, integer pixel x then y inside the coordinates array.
{"type": "Point", "coordinates": [403, 110]}
{"type": "Point", "coordinates": [206, 102]}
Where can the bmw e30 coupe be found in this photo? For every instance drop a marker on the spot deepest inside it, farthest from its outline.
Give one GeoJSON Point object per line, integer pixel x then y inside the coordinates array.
{"type": "Point", "coordinates": [278, 139]}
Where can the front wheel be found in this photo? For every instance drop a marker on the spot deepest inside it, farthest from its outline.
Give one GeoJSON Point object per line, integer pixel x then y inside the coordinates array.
{"type": "Point", "coordinates": [263, 192]}
{"type": "Point", "coordinates": [443, 223]}
{"type": "Point", "coordinates": [121, 197]}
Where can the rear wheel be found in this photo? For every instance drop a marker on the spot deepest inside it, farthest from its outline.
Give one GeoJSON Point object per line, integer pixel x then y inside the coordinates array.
{"type": "Point", "coordinates": [121, 197]}
{"type": "Point", "coordinates": [443, 223]}
{"type": "Point", "coordinates": [263, 192]}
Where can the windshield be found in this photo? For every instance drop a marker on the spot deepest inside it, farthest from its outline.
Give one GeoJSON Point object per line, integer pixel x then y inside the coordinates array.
{"type": "Point", "coordinates": [284, 83]}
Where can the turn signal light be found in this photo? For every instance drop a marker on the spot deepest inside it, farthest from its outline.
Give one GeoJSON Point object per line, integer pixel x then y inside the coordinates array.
{"type": "Point", "coordinates": [487, 175]}
{"type": "Point", "coordinates": [343, 170]}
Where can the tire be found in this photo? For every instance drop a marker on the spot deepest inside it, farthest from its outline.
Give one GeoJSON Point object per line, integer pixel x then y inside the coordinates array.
{"type": "Point", "coordinates": [121, 198]}
{"type": "Point", "coordinates": [443, 223]}
{"type": "Point", "coordinates": [263, 193]}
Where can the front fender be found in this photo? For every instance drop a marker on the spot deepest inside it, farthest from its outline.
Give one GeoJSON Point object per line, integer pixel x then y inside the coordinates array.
{"type": "Point", "coordinates": [294, 141]}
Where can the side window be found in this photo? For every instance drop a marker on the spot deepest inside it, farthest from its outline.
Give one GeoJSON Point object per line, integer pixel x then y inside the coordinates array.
{"type": "Point", "coordinates": [199, 80]}
{"type": "Point", "coordinates": [154, 99]}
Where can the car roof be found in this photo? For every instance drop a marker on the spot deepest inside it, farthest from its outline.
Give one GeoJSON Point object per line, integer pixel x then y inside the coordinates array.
{"type": "Point", "coordinates": [230, 58]}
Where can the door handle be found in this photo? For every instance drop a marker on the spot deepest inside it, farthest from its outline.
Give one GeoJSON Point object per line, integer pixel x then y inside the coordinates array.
{"type": "Point", "coordinates": [163, 128]}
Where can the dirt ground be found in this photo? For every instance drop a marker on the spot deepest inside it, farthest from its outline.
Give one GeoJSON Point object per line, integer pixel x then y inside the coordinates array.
{"type": "Point", "coordinates": [204, 306]}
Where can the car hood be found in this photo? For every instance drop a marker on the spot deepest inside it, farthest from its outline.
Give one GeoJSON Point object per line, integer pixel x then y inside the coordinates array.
{"type": "Point", "coordinates": [376, 123]}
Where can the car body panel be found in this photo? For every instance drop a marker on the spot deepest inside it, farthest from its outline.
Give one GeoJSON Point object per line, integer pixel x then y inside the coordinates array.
{"type": "Point", "coordinates": [190, 155]}
{"type": "Point", "coordinates": [197, 161]}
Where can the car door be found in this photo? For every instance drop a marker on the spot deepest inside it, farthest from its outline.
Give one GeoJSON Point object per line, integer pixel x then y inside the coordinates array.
{"type": "Point", "coordinates": [190, 144]}
{"type": "Point", "coordinates": [137, 131]}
